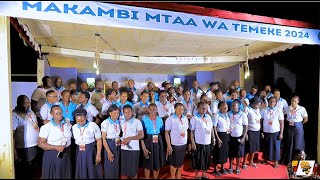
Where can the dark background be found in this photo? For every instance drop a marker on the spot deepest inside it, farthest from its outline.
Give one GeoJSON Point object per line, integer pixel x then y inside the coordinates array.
{"type": "Point", "coordinates": [303, 61]}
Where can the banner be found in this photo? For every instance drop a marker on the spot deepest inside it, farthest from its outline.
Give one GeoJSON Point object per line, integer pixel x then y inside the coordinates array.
{"type": "Point", "coordinates": [105, 14]}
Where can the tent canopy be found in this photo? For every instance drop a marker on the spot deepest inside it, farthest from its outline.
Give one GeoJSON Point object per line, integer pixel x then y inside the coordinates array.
{"type": "Point", "coordinates": [143, 40]}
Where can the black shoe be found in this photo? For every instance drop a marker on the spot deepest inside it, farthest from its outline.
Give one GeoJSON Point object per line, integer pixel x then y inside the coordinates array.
{"type": "Point", "coordinates": [223, 171]}
{"type": "Point", "coordinates": [216, 173]}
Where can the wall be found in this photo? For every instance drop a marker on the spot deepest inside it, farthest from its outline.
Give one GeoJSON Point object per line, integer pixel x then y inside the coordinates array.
{"type": "Point", "coordinates": [204, 79]}
{"type": "Point", "coordinates": [186, 81]}
{"type": "Point", "coordinates": [67, 74]}
{"type": "Point", "coordinates": [226, 76]}
{"type": "Point", "coordinates": [47, 68]}
{"type": "Point", "coordinates": [22, 88]}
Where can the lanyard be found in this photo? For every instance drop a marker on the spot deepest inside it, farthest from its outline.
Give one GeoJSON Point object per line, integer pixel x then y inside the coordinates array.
{"type": "Point", "coordinates": [271, 113]}
{"type": "Point", "coordinates": [205, 120]}
{"type": "Point", "coordinates": [165, 107]}
{"type": "Point", "coordinates": [62, 129]}
{"type": "Point", "coordinates": [154, 122]}
{"type": "Point", "coordinates": [180, 120]}
{"type": "Point", "coordinates": [30, 117]}
{"type": "Point", "coordinates": [115, 126]}
{"type": "Point", "coordinates": [81, 133]}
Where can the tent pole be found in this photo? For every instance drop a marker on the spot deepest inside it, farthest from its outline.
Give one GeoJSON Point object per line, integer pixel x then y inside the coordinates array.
{"type": "Point", "coordinates": [241, 75]}
{"type": "Point", "coordinates": [6, 140]}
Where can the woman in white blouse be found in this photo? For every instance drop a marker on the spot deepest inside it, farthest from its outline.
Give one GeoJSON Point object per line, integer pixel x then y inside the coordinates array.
{"type": "Point", "coordinates": [272, 122]}
{"type": "Point", "coordinates": [55, 140]}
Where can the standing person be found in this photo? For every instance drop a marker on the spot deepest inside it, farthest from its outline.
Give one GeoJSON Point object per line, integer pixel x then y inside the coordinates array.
{"type": "Point", "coordinates": [87, 137]}
{"type": "Point", "coordinates": [132, 133]}
{"type": "Point", "coordinates": [115, 86]}
{"type": "Point", "coordinates": [55, 139]}
{"type": "Point", "coordinates": [152, 144]}
{"type": "Point", "coordinates": [72, 86]}
{"type": "Point", "coordinates": [272, 122]}
{"type": "Point", "coordinates": [203, 99]}
{"type": "Point", "coordinates": [179, 91]}
{"type": "Point", "coordinates": [110, 129]}
{"type": "Point", "coordinates": [253, 92]}
{"type": "Point", "coordinates": [98, 96]}
{"type": "Point", "coordinates": [297, 116]}
{"type": "Point", "coordinates": [176, 133]}
{"type": "Point", "coordinates": [210, 93]}
{"type": "Point", "coordinates": [267, 88]}
{"type": "Point", "coordinates": [67, 106]}
{"type": "Point", "coordinates": [25, 133]}
{"type": "Point", "coordinates": [242, 97]}
{"type": "Point", "coordinates": [133, 89]}
{"type": "Point", "coordinates": [140, 109]}
{"type": "Point", "coordinates": [263, 97]}
{"type": "Point", "coordinates": [221, 126]}
{"type": "Point", "coordinates": [201, 137]}
{"type": "Point", "coordinates": [214, 104]}
{"type": "Point", "coordinates": [253, 138]}
{"type": "Point", "coordinates": [58, 87]}
{"type": "Point", "coordinates": [238, 133]}
{"type": "Point", "coordinates": [123, 101]}
{"type": "Point", "coordinates": [38, 98]}
{"type": "Point", "coordinates": [236, 85]}
{"type": "Point", "coordinates": [195, 91]}
{"type": "Point", "coordinates": [281, 103]}
{"type": "Point", "coordinates": [151, 87]}
{"type": "Point", "coordinates": [164, 107]}
{"type": "Point", "coordinates": [110, 99]}
{"type": "Point", "coordinates": [92, 113]}
{"type": "Point", "coordinates": [152, 95]}
{"type": "Point", "coordinates": [83, 87]}
{"type": "Point", "coordinates": [188, 103]}
{"type": "Point", "coordinates": [45, 114]}
{"type": "Point", "coordinates": [226, 96]}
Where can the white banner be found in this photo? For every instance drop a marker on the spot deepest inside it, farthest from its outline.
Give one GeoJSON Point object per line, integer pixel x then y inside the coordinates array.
{"type": "Point", "coordinates": [104, 14]}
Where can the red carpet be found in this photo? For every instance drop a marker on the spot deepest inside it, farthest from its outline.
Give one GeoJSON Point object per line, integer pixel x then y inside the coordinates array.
{"type": "Point", "coordinates": [262, 172]}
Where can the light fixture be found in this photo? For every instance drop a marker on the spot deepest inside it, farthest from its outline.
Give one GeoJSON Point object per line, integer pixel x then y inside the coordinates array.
{"type": "Point", "coordinates": [246, 65]}
{"type": "Point", "coordinates": [96, 57]}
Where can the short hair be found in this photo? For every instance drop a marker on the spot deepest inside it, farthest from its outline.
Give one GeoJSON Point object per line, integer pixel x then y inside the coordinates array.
{"type": "Point", "coordinates": [242, 90]}
{"type": "Point", "coordinates": [87, 94]}
{"type": "Point", "coordinates": [217, 91]}
{"type": "Point", "coordinates": [213, 83]}
{"type": "Point", "coordinates": [44, 79]}
{"type": "Point", "coordinates": [203, 95]}
{"type": "Point", "coordinates": [54, 106]}
{"type": "Point", "coordinates": [144, 92]}
{"type": "Point", "coordinates": [200, 103]}
{"type": "Point", "coordinates": [109, 92]}
{"type": "Point", "coordinates": [79, 111]}
{"type": "Point", "coordinates": [113, 82]}
{"type": "Point", "coordinates": [236, 101]}
{"type": "Point", "coordinates": [296, 97]}
{"type": "Point", "coordinates": [178, 104]}
{"type": "Point", "coordinates": [255, 100]}
{"type": "Point", "coordinates": [272, 97]}
{"type": "Point", "coordinates": [162, 91]}
{"type": "Point", "coordinates": [152, 104]}
{"type": "Point", "coordinates": [276, 90]}
{"type": "Point", "coordinates": [112, 108]}
{"type": "Point", "coordinates": [56, 79]}
{"type": "Point", "coordinates": [49, 92]}
{"type": "Point", "coordinates": [220, 103]}
{"type": "Point", "coordinates": [65, 91]}
{"type": "Point", "coordinates": [20, 100]}
{"type": "Point", "coordinates": [254, 86]}
{"type": "Point", "coordinates": [234, 91]}
{"type": "Point", "coordinates": [127, 106]}
{"type": "Point", "coordinates": [72, 82]}
{"type": "Point", "coordinates": [185, 90]}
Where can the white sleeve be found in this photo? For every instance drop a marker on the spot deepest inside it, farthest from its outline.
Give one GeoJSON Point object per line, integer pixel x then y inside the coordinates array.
{"type": "Point", "coordinates": [15, 121]}
{"type": "Point", "coordinates": [244, 119]}
{"type": "Point", "coordinates": [44, 112]}
{"type": "Point", "coordinates": [139, 126]}
{"type": "Point", "coordinates": [193, 123]}
{"type": "Point", "coordinates": [104, 126]}
{"type": "Point", "coordinates": [285, 104]}
{"type": "Point", "coordinates": [44, 131]}
{"type": "Point", "coordinates": [97, 132]}
{"type": "Point", "coordinates": [171, 110]}
{"type": "Point", "coordinates": [94, 111]}
{"type": "Point", "coordinates": [304, 113]}
{"type": "Point", "coordinates": [168, 124]}
{"type": "Point", "coordinates": [104, 108]}
{"type": "Point", "coordinates": [281, 116]}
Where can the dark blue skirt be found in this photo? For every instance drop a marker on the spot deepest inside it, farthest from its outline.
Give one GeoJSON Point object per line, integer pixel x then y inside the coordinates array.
{"type": "Point", "coordinates": [236, 150]}
{"type": "Point", "coordinates": [272, 146]}
{"type": "Point", "coordinates": [201, 157]}
{"type": "Point", "coordinates": [129, 162]}
{"type": "Point", "coordinates": [86, 167]}
{"type": "Point", "coordinates": [112, 169]}
{"type": "Point", "coordinates": [178, 154]}
{"type": "Point", "coordinates": [220, 155]}
{"type": "Point", "coordinates": [253, 143]}
{"type": "Point", "coordinates": [157, 158]}
{"type": "Point", "coordinates": [54, 167]}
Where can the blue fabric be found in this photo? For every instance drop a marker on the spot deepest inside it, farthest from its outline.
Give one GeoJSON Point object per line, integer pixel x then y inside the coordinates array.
{"type": "Point", "coordinates": [199, 116]}
{"type": "Point", "coordinates": [55, 124]}
{"type": "Point", "coordinates": [175, 116]}
{"type": "Point", "coordinates": [130, 121]}
{"type": "Point", "coordinates": [49, 105]}
{"type": "Point", "coordinates": [250, 96]}
{"type": "Point", "coordinates": [71, 107]}
{"type": "Point", "coordinates": [112, 121]}
{"type": "Point", "coordinates": [148, 125]}
{"type": "Point", "coordinates": [121, 106]}
{"type": "Point", "coordinates": [85, 126]}
{"type": "Point", "coordinates": [229, 102]}
{"type": "Point", "coordinates": [223, 116]}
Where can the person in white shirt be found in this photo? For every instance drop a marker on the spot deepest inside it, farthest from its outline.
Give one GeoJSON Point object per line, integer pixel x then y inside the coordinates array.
{"type": "Point", "coordinates": [195, 91]}
{"type": "Point", "coordinates": [164, 108]}
{"type": "Point", "coordinates": [87, 137]}
{"type": "Point", "coordinates": [253, 138]}
{"type": "Point", "coordinates": [267, 88]}
{"type": "Point", "coordinates": [211, 92]}
{"type": "Point", "coordinates": [130, 151]}
{"type": "Point", "coordinates": [92, 112]}
{"type": "Point", "coordinates": [188, 104]}
{"type": "Point", "coordinates": [221, 126]}
{"type": "Point", "coordinates": [176, 133]}
{"type": "Point", "coordinates": [134, 90]}
{"type": "Point", "coordinates": [263, 97]}
{"type": "Point", "coordinates": [227, 96]}
{"type": "Point", "coordinates": [57, 85]}
{"type": "Point", "coordinates": [55, 139]}
{"type": "Point", "coordinates": [201, 137]}
{"type": "Point", "coordinates": [204, 99]}
{"type": "Point", "coordinates": [281, 103]}
{"type": "Point", "coordinates": [238, 133]}
{"type": "Point", "coordinates": [25, 133]}
{"type": "Point", "coordinates": [242, 97]}
{"type": "Point", "coordinates": [214, 104]}
{"type": "Point", "coordinates": [297, 116]}
{"type": "Point", "coordinates": [110, 99]}
{"type": "Point", "coordinates": [272, 125]}
{"type": "Point", "coordinates": [52, 99]}
{"type": "Point", "coordinates": [179, 91]}
{"type": "Point", "coordinates": [110, 129]}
